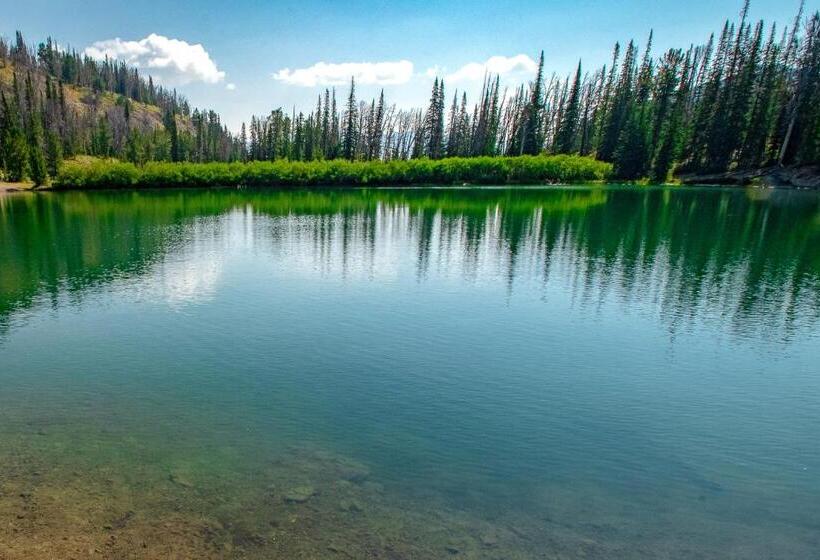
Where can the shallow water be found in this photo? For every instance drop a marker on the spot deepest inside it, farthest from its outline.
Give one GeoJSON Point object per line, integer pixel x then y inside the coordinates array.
{"type": "Point", "coordinates": [491, 373]}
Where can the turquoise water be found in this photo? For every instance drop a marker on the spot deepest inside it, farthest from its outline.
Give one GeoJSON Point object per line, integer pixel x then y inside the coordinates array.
{"type": "Point", "coordinates": [507, 373]}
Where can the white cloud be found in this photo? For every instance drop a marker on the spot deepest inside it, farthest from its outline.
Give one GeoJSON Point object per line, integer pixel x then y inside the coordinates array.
{"type": "Point", "coordinates": [330, 74]}
{"type": "Point", "coordinates": [520, 64]}
{"type": "Point", "coordinates": [435, 71]}
{"type": "Point", "coordinates": [170, 61]}
{"type": "Point", "coordinates": [231, 86]}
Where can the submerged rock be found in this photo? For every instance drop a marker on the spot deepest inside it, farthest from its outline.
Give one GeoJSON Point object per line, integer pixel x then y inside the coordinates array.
{"type": "Point", "coordinates": [180, 480]}
{"type": "Point", "coordinates": [489, 539]}
{"type": "Point", "coordinates": [353, 506]}
{"type": "Point", "coordinates": [353, 471]}
{"type": "Point", "coordinates": [340, 548]}
{"type": "Point", "coordinates": [374, 487]}
{"type": "Point", "coordinates": [299, 494]}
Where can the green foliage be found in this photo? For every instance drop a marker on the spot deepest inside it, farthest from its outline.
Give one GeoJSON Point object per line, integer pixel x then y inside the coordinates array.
{"type": "Point", "coordinates": [631, 160]}
{"type": "Point", "coordinates": [13, 144]}
{"type": "Point", "coordinates": [434, 122]}
{"type": "Point", "coordinates": [351, 126]}
{"type": "Point", "coordinates": [743, 100]}
{"type": "Point", "coordinates": [565, 138]}
{"type": "Point", "coordinates": [54, 153]}
{"type": "Point", "coordinates": [533, 137]}
{"type": "Point", "coordinates": [481, 170]}
{"type": "Point", "coordinates": [37, 165]}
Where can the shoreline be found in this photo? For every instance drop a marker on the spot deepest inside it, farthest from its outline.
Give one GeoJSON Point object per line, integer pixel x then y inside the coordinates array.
{"type": "Point", "coordinates": [795, 177]}
{"type": "Point", "coordinates": [23, 188]}
{"type": "Point", "coordinates": [6, 187]}
{"type": "Point", "coordinates": [805, 177]}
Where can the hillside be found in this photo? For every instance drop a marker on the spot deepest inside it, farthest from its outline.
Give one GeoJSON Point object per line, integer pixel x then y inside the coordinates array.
{"type": "Point", "coordinates": [88, 104]}
{"type": "Point", "coordinates": [62, 104]}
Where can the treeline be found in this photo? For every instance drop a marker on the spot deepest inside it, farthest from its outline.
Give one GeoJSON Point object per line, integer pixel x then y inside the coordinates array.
{"type": "Point", "coordinates": [749, 98]}
{"type": "Point", "coordinates": [745, 99]}
{"type": "Point", "coordinates": [56, 103]}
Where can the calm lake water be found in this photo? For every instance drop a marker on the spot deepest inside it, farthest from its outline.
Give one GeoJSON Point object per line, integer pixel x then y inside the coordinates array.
{"type": "Point", "coordinates": [432, 373]}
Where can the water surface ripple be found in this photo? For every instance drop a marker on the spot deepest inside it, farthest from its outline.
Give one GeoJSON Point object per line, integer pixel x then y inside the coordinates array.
{"type": "Point", "coordinates": [586, 372]}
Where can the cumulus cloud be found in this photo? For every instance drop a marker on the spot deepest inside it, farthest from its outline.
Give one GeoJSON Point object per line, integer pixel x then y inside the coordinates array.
{"type": "Point", "coordinates": [435, 71]}
{"type": "Point", "coordinates": [520, 64]}
{"type": "Point", "coordinates": [230, 87]}
{"type": "Point", "coordinates": [330, 74]}
{"type": "Point", "coordinates": [170, 61]}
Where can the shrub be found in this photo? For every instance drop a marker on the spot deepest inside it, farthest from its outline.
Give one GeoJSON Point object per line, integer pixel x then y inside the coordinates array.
{"type": "Point", "coordinates": [93, 174]}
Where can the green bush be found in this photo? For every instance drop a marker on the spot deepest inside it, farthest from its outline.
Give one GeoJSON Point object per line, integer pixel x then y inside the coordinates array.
{"type": "Point", "coordinates": [449, 171]}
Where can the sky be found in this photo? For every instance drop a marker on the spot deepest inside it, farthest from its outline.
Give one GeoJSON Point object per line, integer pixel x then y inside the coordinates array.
{"type": "Point", "coordinates": [246, 57]}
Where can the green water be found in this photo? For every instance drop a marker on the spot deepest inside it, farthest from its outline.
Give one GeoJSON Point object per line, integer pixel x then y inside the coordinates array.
{"type": "Point", "coordinates": [602, 372]}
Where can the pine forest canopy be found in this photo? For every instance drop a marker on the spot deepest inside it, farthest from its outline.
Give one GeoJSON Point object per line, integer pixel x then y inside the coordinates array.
{"type": "Point", "coordinates": [749, 97]}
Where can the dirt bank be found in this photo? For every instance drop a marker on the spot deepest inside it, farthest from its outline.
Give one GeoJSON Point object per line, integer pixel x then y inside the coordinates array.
{"type": "Point", "coordinates": [15, 187]}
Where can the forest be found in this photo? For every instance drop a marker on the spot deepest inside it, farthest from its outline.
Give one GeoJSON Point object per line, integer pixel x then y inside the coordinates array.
{"type": "Point", "coordinates": [746, 98]}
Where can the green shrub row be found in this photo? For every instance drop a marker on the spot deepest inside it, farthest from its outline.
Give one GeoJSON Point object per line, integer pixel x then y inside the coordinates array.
{"type": "Point", "coordinates": [479, 170]}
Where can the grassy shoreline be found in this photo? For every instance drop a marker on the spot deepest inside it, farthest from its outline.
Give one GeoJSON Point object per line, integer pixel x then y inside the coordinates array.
{"type": "Point", "coordinates": [106, 174]}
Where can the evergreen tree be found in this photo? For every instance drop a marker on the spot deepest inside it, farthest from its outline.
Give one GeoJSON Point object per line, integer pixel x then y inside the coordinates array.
{"type": "Point", "coordinates": [170, 121]}
{"type": "Point", "coordinates": [760, 123]}
{"type": "Point", "coordinates": [434, 125]}
{"type": "Point", "coordinates": [37, 162]}
{"type": "Point", "coordinates": [351, 124]}
{"type": "Point", "coordinates": [668, 131]}
{"type": "Point", "coordinates": [54, 153]}
{"type": "Point", "coordinates": [618, 111]}
{"type": "Point", "coordinates": [533, 141]}
{"type": "Point", "coordinates": [101, 139]}
{"type": "Point", "coordinates": [565, 138]}
{"type": "Point", "coordinates": [453, 129]}
{"type": "Point", "coordinates": [630, 158]}
{"type": "Point", "coordinates": [243, 143]}
{"type": "Point", "coordinates": [604, 106]}
{"type": "Point", "coordinates": [13, 145]}
{"type": "Point", "coordinates": [378, 129]}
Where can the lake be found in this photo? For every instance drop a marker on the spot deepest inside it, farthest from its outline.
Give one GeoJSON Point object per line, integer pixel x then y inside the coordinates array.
{"type": "Point", "coordinates": [580, 372]}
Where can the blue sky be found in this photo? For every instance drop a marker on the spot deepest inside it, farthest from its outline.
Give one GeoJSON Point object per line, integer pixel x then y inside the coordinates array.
{"type": "Point", "coordinates": [244, 44]}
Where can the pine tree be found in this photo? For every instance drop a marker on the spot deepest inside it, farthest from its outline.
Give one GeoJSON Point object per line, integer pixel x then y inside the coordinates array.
{"type": "Point", "coordinates": [378, 129]}
{"type": "Point", "coordinates": [13, 143]}
{"type": "Point", "coordinates": [434, 122]}
{"type": "Point", "coordinates": [808, 145]}
{"type": "Point", "coordinates": [37, 161]}
{"type": "Point", "coordinates": [54, 153]}
{"type": "Point", "coordinates": [170, 121]}
{"type": "Point", "coordinates": [604, 106]}
{"type": "Point", "coordinates": [533, 141]}
{"type": "Point", "coordinates": [565, 138]}
{"type": "Point", "coordinates": [243, 143]}
{"type": "Point", "coordinates": [800, 139]}
{"type": "Point", "coordinates": [101, 139]}
{"type": "Point", "coordinates": [619, 107]}
{"type": "Point", "coordinates": [669, 130]}
{"type": "Point", "coordinates": [716, 132]}
{"type": "Point", "coordinates": [453, 129]}
{"type": "Point", "coordinates": [630, 158]}
{"type": "Point", "coordinates": [350, 124]}
{"type": "Point", "coordinates": [760, 124]}
{"type": "Point", "coordinates": [325, 127]}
